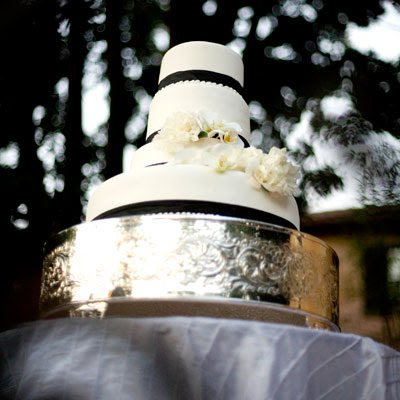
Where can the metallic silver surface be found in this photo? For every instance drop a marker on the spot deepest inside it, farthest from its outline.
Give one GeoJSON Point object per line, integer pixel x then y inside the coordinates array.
{"type": "Point", "coordinates": [168, 262]}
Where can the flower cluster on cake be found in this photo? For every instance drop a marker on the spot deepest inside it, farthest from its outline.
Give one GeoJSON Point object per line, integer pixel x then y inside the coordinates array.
{"type": "Point", "coordinates": [197, 157]}
{"type": "Point", "coordinates": [272, 171]}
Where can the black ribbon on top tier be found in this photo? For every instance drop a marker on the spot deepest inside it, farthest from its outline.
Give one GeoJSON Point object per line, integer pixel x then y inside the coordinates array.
{"type": "Point", "coordinates": [201, 75]}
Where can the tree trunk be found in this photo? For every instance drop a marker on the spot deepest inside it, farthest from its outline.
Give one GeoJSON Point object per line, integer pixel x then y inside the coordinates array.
{"type": "Point", "coordinates": [70, 208]}
{"type": "Point", "coordinates": [116, 123]}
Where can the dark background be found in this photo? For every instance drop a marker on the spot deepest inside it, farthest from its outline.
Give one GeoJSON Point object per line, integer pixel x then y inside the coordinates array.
{"type": "Point", "coordinates": [36, 54]}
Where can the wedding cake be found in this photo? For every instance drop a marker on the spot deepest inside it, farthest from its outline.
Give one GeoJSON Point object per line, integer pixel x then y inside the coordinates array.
{"type": "Point", "coordinates": [197, 225]}
{"type": "Point", "coordinates": [197, 157]}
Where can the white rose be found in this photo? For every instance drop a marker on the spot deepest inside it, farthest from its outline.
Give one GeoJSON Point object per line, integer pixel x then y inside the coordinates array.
{"type": "Point", "coordinates": [275, 173]}
{"type": "Point", "coordinates": [249, 159]}
{"type": "Point", "coordinates": [179, 129]}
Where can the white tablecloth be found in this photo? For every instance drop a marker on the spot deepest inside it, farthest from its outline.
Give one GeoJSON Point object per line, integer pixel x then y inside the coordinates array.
{"type": "Point", "coordinates": [192, 358]}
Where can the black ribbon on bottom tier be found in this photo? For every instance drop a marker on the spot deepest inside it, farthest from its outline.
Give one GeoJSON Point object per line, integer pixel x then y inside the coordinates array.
{"type": "Point", "coordinates": [195, 206]}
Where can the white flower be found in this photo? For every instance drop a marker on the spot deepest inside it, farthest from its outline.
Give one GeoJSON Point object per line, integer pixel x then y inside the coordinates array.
{"type": "Point", "coordinates": [184, 127]}
{"type": "Point", "coordinates": [249, 159]}
{"type": "Point", "coordinates": [179, 129]}
{"type": "Point", "coordinates": [275, 173]}
{"type": "Point", "coordinates": [221, 157]}
{"type": "Point", "coordinates": [227, 132]}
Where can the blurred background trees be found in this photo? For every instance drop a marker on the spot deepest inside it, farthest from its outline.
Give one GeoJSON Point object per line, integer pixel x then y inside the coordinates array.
{"type": "Point", "coordinates": [77, 77]}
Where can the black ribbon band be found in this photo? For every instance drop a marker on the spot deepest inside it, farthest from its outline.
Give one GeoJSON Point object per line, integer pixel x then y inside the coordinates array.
{"type": "Point", "coordinates": [152, 136]}
{"type": "Point", "coordinates": [201, 75]}
{"type": "Point", "coordinates": [197, 206]}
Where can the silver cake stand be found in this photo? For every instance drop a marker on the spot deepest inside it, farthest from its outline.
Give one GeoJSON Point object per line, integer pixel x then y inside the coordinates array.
{"type": "Point", "coordinates": [190, 264]}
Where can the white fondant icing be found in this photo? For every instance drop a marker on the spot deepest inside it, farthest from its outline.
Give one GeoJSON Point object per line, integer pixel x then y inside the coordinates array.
{"type": "Point", "coordinates": [188, 182]}
{"type": "Point", "coordinates": [197, 96]}
{"type": "Point", "coordinates": [149, 154]}
{"type": "Point", "coordinates": [205, 56]}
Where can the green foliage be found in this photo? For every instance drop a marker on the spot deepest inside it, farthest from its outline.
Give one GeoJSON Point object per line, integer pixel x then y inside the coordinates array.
{"type": "Point", "coordinates": [203, 134]}
{"type": "Point", "coordinates": [323, 181]}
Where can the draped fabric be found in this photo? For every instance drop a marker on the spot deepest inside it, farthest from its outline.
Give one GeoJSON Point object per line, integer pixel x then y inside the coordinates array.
{"type": "Point", "coordinates": [191, 358]}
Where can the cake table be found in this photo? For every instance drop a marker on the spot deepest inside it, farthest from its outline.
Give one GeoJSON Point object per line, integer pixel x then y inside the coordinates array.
{"type": "Point", "coordinates": [192, 358]}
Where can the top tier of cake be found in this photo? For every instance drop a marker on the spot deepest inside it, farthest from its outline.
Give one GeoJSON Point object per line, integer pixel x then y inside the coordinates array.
{"type": "Point", "coordinates": [202, 56]}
